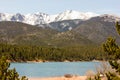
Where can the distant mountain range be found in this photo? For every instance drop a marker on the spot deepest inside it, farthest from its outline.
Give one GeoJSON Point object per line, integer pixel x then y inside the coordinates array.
{"type": "Point", "coordinates": [62, 22]}
{"type": "Point", "coordinates": [67, 28]}
{"type": "Point", "coordinates": [42, 18]}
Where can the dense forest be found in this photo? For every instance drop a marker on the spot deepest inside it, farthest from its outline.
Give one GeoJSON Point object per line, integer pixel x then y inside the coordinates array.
{"type": "Point", "coordinates": [49, 53]}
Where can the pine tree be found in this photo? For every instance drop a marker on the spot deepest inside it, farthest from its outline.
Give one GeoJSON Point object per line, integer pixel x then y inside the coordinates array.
{"type": "Point", "coordinates": [8, 74]}
{"type": "Point", "coordinates": [113, 52]}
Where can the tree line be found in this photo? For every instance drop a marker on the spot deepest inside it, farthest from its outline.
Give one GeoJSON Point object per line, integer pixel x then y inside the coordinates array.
{"type": "Point", "coordinates": [49, 53]}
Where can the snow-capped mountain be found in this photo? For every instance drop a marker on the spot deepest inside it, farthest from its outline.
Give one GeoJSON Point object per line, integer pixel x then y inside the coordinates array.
{"type": "Point", "coordinates": [37, 18]}
{"type": "Point", "coordinates": [17, 17]}
{"type": "Point", "coordinates": [70, 14]}
{"type": "Point", "coordinates": [42, 18]}
{"type": "Point", "coordinates": [33, 19]}
{"type": "Point", "coordinates": [5, 17]}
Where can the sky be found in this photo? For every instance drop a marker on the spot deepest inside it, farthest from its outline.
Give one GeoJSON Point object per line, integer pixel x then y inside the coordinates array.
{"type": "Point", "coordinates": [58, 6]}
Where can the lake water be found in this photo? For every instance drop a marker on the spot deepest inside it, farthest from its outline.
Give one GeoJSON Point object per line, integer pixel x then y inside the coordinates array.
{"type": "Point", "coordinates": [51, 69]}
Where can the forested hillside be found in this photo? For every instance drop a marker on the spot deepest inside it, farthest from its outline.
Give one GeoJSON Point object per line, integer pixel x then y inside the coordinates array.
{"type": "Point", "coordinates": [23, 42]}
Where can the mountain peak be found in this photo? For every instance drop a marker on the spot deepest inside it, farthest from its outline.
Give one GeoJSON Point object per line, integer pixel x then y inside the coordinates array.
{"type": "Point", "coordinates": [70, 14]}
{"type": "Point", "coordinates": [70, 11]}
{"type": "Point", "coordinates": [40, 13]}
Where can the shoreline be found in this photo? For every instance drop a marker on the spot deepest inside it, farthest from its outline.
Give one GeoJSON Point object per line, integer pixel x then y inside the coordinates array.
{"type": "Point", "coordinates": [44, 61]}
{"type": "Point", "coordinates": [59, 78]}
{"type": "Point", "coordinates": [75, 77]}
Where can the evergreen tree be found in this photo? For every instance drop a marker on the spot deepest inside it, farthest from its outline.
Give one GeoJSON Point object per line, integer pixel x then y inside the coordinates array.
{"type": "Point", "coordinates": [113, 51]}
{"type": "Point", "coordinates": [8, 74]}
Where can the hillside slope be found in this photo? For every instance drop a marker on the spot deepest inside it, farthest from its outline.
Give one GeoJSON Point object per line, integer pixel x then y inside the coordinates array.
{"type": "Point", "coordinates": [20, 33]}
{"type": "Point", "coordinates": [98, 29]}
{"type": "Point", "coordinates": [16, 32]}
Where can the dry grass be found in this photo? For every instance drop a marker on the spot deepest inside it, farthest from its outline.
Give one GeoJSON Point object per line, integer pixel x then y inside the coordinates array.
{"type": "Point", "coordinates": [90, 74]}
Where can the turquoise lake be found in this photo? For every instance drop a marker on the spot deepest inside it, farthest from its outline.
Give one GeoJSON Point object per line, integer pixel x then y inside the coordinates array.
{"type": "Point", "coordinates": [51, 69]}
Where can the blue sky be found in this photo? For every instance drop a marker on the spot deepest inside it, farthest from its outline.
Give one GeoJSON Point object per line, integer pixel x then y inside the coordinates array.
{"type": "Point", "coordinates": [57, 6]}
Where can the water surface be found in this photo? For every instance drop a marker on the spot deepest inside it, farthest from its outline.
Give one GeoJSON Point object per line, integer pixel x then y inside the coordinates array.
{"type": "Point", "coordinates": [51, 69]}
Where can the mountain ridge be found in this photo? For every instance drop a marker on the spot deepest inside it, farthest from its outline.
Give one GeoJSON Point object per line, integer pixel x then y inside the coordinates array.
{"type": "Point", "coordinates": [42, 18]}
{"type": "Point", "coordinates": [64, 21]}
